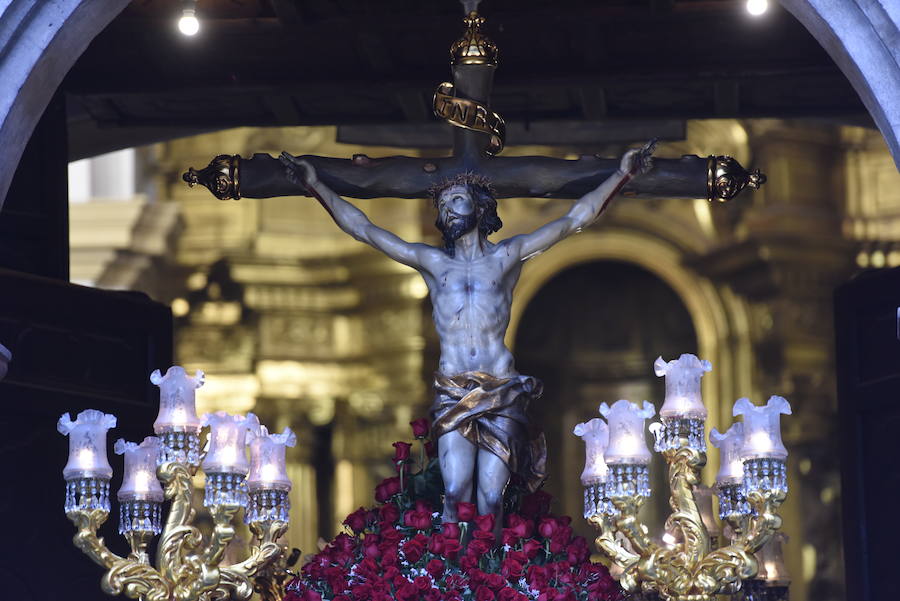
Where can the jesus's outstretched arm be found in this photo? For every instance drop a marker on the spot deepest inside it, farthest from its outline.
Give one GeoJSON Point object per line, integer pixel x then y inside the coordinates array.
{"type": "Point", "coordinates": [586, 209]}
{"type": "Point", "coordinates": [351, 219]}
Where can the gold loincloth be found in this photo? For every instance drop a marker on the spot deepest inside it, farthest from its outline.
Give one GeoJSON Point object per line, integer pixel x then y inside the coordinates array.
{"type": "Point", "coordinates": [492, 414]}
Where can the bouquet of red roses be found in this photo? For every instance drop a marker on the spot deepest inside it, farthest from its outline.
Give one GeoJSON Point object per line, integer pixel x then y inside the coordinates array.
{"type": "Point", "coordinates": [401, 551]}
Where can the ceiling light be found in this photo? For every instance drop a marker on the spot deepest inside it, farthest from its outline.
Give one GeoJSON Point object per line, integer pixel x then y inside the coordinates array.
{"type": "Point", "coordinates": [188, 24]}
{"type": "Point", "coordinates": [757, 7]}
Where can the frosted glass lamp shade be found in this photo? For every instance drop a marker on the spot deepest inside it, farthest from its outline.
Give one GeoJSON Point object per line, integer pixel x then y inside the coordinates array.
{"type": "Point", "coordinates": [595, 434]}
{"type": "Point", "coordinates": [683, 398]}
{"type": "Point", "coordinates": [762, 428]}
{"type": "Point", "coordinates": [267, 460]}
{"type": "Point", "coordinates": [140, 482]}
{"type": "Point", "coordinates": [87, 444]}
{"type": "Point", "coordinates": [730, 444]}
{"type": "Point", "coordinates": [177, 410]}
{"type": "Point", "coordinates": [227, 452]}
{"type": "Point", "coordinates": [627, 442]}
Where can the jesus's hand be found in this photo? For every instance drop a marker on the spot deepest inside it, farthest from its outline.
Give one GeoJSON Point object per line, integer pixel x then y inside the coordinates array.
{"type": "Point", "coordinates": [638, 160]}
{"type": "Point", "coordinates": [299, 172]}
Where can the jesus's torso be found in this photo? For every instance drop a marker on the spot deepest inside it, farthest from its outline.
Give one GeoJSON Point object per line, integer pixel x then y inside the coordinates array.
{"type": "Point", "coordinates": [471, 300]}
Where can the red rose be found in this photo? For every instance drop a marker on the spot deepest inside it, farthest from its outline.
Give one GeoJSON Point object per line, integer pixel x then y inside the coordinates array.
{"type": "Point", "coordinates": [423, 583]}
{"type": "Point", "coordinates": [517, 556]}
{"type": "Point", "coordinates": [483, 593]}
{"type": "Point", "coordinates": [435, 567]}
{"type": "Point", "coordinates": [401, 451]}
{"type": "Point", "coordinates": [414, 548]}
{"type": "Point", "coordinates": [485, 522]}
{"type": "Point", "coordinates": [340, 598]}
{"type": "Point", "coordinates": [450, 530]}
{"type": "Point", "coordinates": [420, 520]}
{"type": "Point", "coordinates": [487, 537]}
{"type": "Point", "coordinates": [538, 577]}
{"type": "Point", "coordinates": [520, 526]}
{"type": "Point", "coordinates": [547, 526]}
{"type": "Point", "coordinates": [387, 489]}
{"type": "Point", "coordinates": [452, 548]}
{"type": "Point", "coordinates": [495, 581]}
{"type": "Point", "coordinates": [477, 547]}
{"type": "Point", "coordinates": [370, 546]}
{"type": "Point", "coordinates": [511, 569]}
{"type": "Point", "coordinates": [436, 544]}
{"type": "Point", "coordinates": [578, 551]}
{"type": "Point", "coordinates": [530, 548]}
{"type": "Point", "coordinates": [465, 512]}
{"type": "Point", "coordinates": [357, 520]}
{"type": "Point", "coordinates": [432, 595]}
{"type": "Point", "coordinates": [389, 557]}
{"type": "Point", "coordinates": [362, 592]}
{"type": "Point", "coordinates": [468, 562]}
{"type": "Point", "coordinates": [419, 427]}
{"type": "Point", "coordinates": [311, 595]}
{"type": "Point", "coordinates": [430, 449]}
{"type": "Point", "coordinates": [407, 592]}
{"type": "Point", "coordinates": [390, 537]}
{"type": "Point", "coordinates": [389, 513]}
{"type": "Point", "coordinates": [476, 577]}
{"type": "Point", "coordinates": [508, 594]}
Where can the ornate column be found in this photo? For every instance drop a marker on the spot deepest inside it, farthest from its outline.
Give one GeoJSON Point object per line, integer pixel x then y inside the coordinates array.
{"type": "Point", "coordinates": [786, 259]}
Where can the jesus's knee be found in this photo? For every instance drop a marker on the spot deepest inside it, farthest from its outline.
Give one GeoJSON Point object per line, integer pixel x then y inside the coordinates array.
{"type": "Point", "coordinates": [490, 501]}
{"type": "Point", "coordinates": [459, 491]}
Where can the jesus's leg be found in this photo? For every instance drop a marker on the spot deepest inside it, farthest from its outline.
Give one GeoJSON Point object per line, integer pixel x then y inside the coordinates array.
{"type": "Point", "coordinates": [493, 476]}
{"type": "Point", "coordinates": [457, 458]}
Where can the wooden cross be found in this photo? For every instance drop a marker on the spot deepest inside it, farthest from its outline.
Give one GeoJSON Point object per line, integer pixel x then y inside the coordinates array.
{"type": "Point", "coordinates": [478, 135]}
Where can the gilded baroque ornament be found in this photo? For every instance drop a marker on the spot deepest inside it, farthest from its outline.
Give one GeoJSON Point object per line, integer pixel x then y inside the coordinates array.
{"type": "Point", "coordinates": [751, 485]}
{"type": "Point", "coordinates": [187, 567]}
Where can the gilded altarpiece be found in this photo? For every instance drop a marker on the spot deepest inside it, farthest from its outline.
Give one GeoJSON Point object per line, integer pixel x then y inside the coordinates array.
{"type": "Point", "coordinates": [292, 318]}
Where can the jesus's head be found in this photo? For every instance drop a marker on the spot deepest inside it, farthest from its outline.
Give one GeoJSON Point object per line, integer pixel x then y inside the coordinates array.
{"type": "Point", "coordinates": [464, 204]}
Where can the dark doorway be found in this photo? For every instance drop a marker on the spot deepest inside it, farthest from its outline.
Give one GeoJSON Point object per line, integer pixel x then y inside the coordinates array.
{"type": "Point", "coordinates": [592, 334]}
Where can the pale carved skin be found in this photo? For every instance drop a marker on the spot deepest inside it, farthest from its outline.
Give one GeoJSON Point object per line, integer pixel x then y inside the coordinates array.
{"type": "Point", "coordinates": [471, 293]}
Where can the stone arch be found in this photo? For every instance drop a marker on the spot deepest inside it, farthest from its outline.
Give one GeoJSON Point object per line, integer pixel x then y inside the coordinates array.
{"type": "Point", "coordinates": [40, 40]}
{"type": "Point", "coordinates": [721, 320]}
{"type": "Point", "coordinates": [863, 39]}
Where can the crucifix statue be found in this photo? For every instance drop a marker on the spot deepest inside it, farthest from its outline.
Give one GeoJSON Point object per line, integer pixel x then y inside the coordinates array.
{"type": "Point", "coordinates": [480, 403]}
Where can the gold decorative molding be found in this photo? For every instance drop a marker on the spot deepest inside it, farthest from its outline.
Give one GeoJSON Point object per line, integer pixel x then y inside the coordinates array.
{"type": "Point", "coordinates": [222, 176]}
{"type": "Point", "coordinates": [469, 114]}
{"type": "Point", "coordinates": [725, 178]}
{"type": "Point", "coordinates": [186, 570]}
{"type": "Point", "coordinates": [474, 48]}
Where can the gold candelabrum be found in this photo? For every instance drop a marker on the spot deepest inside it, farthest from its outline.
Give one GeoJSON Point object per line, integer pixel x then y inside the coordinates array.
{"type": "Point", "coordinates": [159, 469]}
{"type": "Point", "coordinates": [685, 564]}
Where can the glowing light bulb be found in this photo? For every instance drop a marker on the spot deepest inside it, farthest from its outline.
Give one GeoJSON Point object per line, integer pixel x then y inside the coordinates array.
{"type": "Point", "coordinates": [228, 456]}
{"type": "Point", "coordinates": [269, 472]}
{"type": "Point", "coordinates": [142, 482]}
{"type": "Point", "coordinates": [86, 457]}
{"type": "Point", "coordinates": [188, 24]}
{"type": "Point", "coordinates": [761, 442]}
{"type": "Point", "coordinates": [757, 7]}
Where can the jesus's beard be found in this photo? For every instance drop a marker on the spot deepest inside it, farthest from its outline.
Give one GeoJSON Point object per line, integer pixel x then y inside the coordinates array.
{"type": "Point", "coordinates": [462, 225]}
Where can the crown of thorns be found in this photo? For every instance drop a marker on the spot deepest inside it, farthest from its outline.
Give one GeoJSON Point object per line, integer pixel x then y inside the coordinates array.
{"type": "Point", "coordinates": [461, 179]}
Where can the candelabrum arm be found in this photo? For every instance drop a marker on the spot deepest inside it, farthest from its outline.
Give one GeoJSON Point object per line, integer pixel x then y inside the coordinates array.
{"type": "Point", "coordinates": [179, 558]}
{"type": "Point", "coordinates": [223, 533]}
{"type": "Point", "coordinates": [136, 579]}
{"type": "Point", "coordinates": [628, 524]}
{"type": "Point", "coordinates": [685, 465]}
{"type": "Point", "coordinates": [235, 581]}
{"type": "Point", "coordinates": [763, 524]}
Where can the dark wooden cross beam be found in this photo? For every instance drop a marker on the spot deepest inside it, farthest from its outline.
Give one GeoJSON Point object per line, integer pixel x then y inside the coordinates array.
{"type": "Point", "coordinates": [478, 136]}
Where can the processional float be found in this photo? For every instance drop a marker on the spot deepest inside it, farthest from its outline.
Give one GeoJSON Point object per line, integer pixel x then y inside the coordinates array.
{"type": "Point", "coordinates": [161, 468]}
